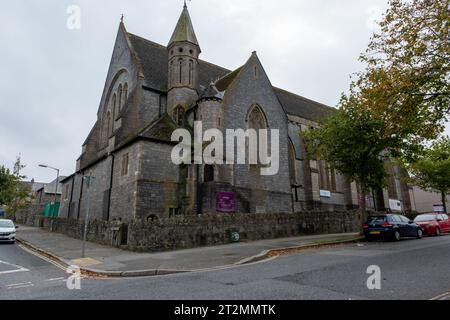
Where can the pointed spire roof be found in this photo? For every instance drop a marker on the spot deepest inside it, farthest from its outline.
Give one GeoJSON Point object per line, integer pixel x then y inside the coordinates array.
{"type": "Point", "coordinates": [184, 31]}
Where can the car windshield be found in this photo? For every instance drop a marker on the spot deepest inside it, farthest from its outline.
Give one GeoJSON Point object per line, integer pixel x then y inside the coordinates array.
{"type": "Point", "coordinates": [6, 224]}
{"type": "Point", "coordinates": [425, 217]}
{"type": "Point", "coordinates": [376, 219]}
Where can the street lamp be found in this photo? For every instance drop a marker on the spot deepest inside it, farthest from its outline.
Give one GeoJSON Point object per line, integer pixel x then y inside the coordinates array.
{"type": "Point", "coordinates": [57, 179]}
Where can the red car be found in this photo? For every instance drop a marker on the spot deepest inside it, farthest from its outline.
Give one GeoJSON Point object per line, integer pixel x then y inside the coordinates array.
{"type": "Point", "coordinates": [433, 223]}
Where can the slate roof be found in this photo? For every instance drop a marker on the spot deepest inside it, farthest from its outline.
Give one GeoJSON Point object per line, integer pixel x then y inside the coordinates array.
{"type": "Point", "coordinates": [154, 63]}
{"type": "Point", "coordinates": [184, 31]}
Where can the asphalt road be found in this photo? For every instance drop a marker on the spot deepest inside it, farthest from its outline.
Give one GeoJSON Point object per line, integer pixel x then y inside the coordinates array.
{"type": "Point", "coordinates": [410, 269]}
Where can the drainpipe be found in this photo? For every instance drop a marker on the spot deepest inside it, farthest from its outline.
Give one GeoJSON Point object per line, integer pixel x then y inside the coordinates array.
{"type": "Point", "coordinates": [110, 187]}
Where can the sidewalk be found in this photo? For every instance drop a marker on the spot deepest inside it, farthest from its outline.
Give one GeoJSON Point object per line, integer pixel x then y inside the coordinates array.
{"type": "Point", "coordinates": [108, 261]}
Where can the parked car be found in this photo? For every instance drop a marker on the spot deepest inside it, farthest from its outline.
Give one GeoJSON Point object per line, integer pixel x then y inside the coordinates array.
{"type": "Point", "coordinates": [433, 224]}
{"type": "Point", "coordinates": [7, 231]}
{"type": "Point", "coordinates": [391, 226]}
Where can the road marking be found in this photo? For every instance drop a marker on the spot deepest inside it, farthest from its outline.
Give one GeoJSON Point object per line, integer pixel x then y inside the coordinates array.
{"type": "Point", "coordinates": [20, 285]}
{"type": "Point", "coordinates": [55, 279]}
{"type": "Point", "coordinates": [444, 296]}
{"type": "Point", "coordinates": [43, 258]}
{"type": "Point", "coordinates": [18, 268]}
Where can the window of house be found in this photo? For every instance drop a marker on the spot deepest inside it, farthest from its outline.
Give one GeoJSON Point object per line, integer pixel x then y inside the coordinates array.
{"type": "Point", "coordinates": [108, 125]}
{"type": "Point", "coordinates": [124, 171]}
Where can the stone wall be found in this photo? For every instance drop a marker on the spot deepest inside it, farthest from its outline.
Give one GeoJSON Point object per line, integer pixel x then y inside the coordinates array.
{"type": "Point", "coordinates": [194, 231]}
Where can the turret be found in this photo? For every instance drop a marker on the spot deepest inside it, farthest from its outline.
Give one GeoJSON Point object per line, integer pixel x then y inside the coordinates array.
{"type": "Point", "coordinates": [183, 52]}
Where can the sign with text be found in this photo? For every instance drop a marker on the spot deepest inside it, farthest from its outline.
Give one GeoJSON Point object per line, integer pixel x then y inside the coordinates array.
{"type": "Point", "coordinates": [438, 208]}
{"type": "Point", "coordinates": [325, 193]}
{"type": "Point", "coordinates": [226, 202]}
{"type": "Point", "coordinates": [395, 205]}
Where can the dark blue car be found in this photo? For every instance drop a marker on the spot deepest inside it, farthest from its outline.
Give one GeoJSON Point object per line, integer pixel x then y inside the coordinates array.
{"type": "Point", "coordinates": [391, 226]}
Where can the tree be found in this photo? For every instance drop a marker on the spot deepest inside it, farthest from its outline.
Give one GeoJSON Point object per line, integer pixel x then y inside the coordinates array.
{"type": "Point", "coordinates": [351, 143]}
{"type": "Point", "coordinates": [406, 82]}
{"type": "Point", "coordinates": [12, 190]}
{"type": "Point", "coordinates": [432, 170]}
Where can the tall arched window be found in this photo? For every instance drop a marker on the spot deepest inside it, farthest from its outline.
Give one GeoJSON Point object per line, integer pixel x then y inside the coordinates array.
{"type": "Point", "coordinates": [191, 65]}
{"type": "Point", "coordinates": [178, 114]}
{"type": "Point", "coordinates": [125, 93]}
{"type": "Point", "coordinates": [114, 105]}
{"type": "Point", "coordinates": [180, 71]}
{"type": "Point", "coordinates": [120, 97]}
{"type": "Point", "coordinates": [108, 125]}
{"type": "Point", "coordinates": [257, 121]}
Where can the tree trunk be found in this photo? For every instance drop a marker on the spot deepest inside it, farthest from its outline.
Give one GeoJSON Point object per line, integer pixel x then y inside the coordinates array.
{"type": "Point", "coordinates": [443, 201]}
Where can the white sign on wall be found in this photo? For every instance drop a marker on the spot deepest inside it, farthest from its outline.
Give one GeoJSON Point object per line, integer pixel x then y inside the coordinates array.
{"type": "Point", "coordinates": [325, 193]}
{"type": "Point", "coordinates": [395, 205]}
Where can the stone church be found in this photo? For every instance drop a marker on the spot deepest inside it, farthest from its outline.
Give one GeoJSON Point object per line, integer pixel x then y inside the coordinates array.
{"type": "Point", "coordinates": [150, 91]}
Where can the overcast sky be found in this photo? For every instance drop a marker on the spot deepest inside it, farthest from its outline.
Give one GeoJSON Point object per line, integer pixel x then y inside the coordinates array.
{"type": "Point", "coordinates": [53, 77]}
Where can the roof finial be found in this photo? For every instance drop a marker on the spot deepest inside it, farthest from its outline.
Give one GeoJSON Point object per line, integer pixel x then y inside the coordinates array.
{"type": "Point", "coordinates": [185, 5]}
{"type": "Point", "coordinates": [121, 18]}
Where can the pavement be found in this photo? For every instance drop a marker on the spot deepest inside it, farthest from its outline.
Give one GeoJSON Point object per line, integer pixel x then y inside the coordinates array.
{"type": "Point", "coordinates": [113, 262]}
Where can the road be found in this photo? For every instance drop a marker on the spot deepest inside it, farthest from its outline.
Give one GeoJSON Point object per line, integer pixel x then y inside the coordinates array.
{"type": "Point", "coordinates": [410, 269]}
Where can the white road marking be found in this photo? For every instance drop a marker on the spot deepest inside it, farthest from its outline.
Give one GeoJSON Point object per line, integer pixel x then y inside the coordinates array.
{"type": "Point", "coordinates": [20, 285]}
{"type": "Point", "coordinates": [445, 296]}
{"type": "Point", "coordinates": [18, 268]}
{"type": "Point", "coordinates": [55, 279]}
{"type": "Point", "coordinates": [43, 258]}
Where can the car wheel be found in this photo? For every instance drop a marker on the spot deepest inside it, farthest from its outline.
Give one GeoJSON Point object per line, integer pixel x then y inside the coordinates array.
{"type": "Point", "coordinates": [437, 233]}
{"type": "Point", "coordinates": [419, 234]}
{"type": "Point", "coordinates": [397, 235]}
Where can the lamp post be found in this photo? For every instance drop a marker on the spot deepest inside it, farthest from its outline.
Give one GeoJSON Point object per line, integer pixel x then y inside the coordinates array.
{"type": "Point", "coordinates": [89, 180]}
{"type": "Point", "coordinates": [57, 179]}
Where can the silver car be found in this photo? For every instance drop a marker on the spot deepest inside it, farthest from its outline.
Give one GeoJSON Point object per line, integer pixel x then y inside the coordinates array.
{"type": "Point", "coordinates": [7, 231]}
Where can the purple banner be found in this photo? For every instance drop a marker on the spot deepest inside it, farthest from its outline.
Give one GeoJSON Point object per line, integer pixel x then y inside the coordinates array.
{"type": "Point", "coordinates": [226, 202]}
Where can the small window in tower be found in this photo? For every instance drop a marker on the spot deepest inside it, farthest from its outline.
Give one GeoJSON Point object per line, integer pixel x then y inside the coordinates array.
{"type": "Point", "coordinates": [180, 50]}
{"type": "Point", "coordinates": [124, 169]}
{"type": "Point", "coordinates": [190, 71]}
{"type": "Point", "coordinates": [180, 71]}
{"type": "Point", "coordinates": [191, 51]}
{"type": "Point", "coordinates": [178, 115]}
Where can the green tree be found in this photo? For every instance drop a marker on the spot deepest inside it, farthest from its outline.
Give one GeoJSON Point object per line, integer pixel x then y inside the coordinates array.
{"type": "Point", "coordinates": [432, 170]}
{"type": "Point", "coordinates": [12, 190]}
{"type": "Point", "coordinates": [350, 141]}
{"type": "Point", "coordinates": [406, 82]}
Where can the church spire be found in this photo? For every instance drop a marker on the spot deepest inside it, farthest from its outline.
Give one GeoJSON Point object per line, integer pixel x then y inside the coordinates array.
{"type": "Point", "coordinates": [184, 31]}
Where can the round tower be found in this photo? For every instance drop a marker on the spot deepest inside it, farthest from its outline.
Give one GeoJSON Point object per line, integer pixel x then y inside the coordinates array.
{"type": "Point", "coordinates": [183, 70]}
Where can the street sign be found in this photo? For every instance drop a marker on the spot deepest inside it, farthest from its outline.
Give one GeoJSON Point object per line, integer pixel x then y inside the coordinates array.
{"type": "Point", "coordinates": [325, 193]}
{"type": "Point", "coordinates": [438, 208]}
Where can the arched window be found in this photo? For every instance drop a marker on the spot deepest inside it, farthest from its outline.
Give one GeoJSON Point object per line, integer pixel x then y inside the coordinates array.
{"type": "Point", "coordinates": [208, 173]}
{"type": "Point", "coordinates": [120, 97]}
{"type": "Point", "coordinates": [180, 71]}
{"type": "Point", "coordinates": [191, 65]}
{"type": "Point", "coordinates": [178, 114]}
{"type": "Point", "coordinates": [108, 125]}
{"type": "Point", "coordinates": [114, 105]}
{"type": "Point", "coordinates": [125, 94]}
{"type": "Point", "coordinates": [292, 163]}
{"type": "Point", "coordinates": [257, 121]}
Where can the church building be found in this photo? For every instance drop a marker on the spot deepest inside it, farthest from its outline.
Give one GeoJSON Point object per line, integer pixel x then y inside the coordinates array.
{"type": "Point", "coordinates": [150, 91]}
